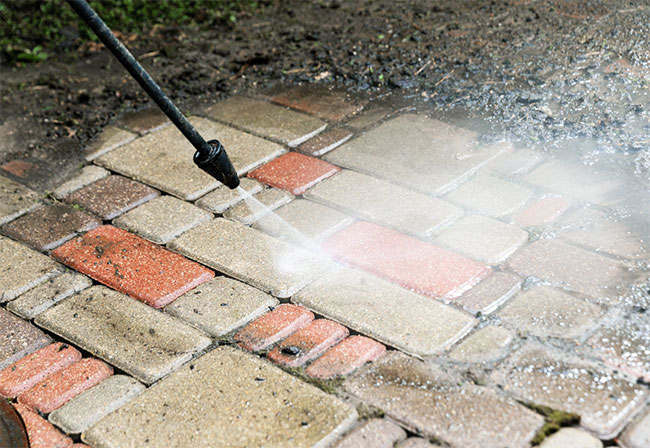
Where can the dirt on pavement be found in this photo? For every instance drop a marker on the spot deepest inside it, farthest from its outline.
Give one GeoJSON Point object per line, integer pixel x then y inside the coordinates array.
{"type": "Point", "coordinates": [546, 73]}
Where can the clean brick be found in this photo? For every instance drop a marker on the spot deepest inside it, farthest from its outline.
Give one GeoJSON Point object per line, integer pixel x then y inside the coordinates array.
{"type": "Point", "coordinates": [294, 172]}
{"type": "Point", "coordinates": [26, 372]}
{"type": "Point", "coordinates": [88, 408]}
{"type": "Point", "coordinates": [221, 305]}
{"type": "Point", "coordinates": [270, 199]}
{"type": "Point", "coordinates": [544, 311]}
{"type": "Point", "coordinates": [430, 402]}
{"type": "Point", "coordinates": [375, 433]}
{"type": "Point", "coordinates": [411, 263]}
{"type": "Point", "coordinates": [482, 238]}
{"type": "Point", "coordinates": [574, 181]}
{"type": "Point", "coordinates": [486, 344]}
{"type": "Point", "coordinates": [107, 140]}
{"type": "Point", "coordinates": [144, 121]}
{"type": "Point", "coordinates": [573, 268]}
{"type": "Point", "coordinates": [598, 231]}
{"type": "Point", "coordinates": [491, 293]}
{"type": "Point", "coordinates": [307, 221]}
{"type": "Point", "coordinates": [40, 298]}
{"type": "Point", "coordinates": [625, 345]}
{"type": "Point", "coordinates": [162, 219]}
{"type": "Point", "coordinates": [272, 327]}
{"type": "Point", "coordinates": [516, 162]}
{"type": "Point", "coordinates": [266, 119]}
{"type": "Point", "coordinates": [308, 343]}
{"type": "Point", "coordinates": [87, 175]}
{"type": "Point", "coordinates": [637, 434]}
{"type": "Point", "coordinates": [329, 104]}
{"type": "Point", "coordinates": [385, 311]}
{"type": "Point", "coordinates": [571, 437]}
{"type": "Point", "coordinates": [40, 432]}
{"type": "Point", "coordinates": [61, 386]}
{"type": "Point", "coordinates": [15, 199]}
{"type": "Point", "coordinates": [542, 212]}
{"type": "Point", "coordinates": [18, 338]}
{"type": "Point", "coordinates": [385, 203]}
{"type": "Point", "coordinates": [216, 400]}
{"type": "Point", "coordinates": [128, 334]}
{"type": "Point", "coordinates": [50, 226]}
{"type": "Point", "coordinates": [111, 196]}
{"type": "Point", "coordinates": [541, 375]}
{"type": "Point", "coordinates": [346, 357]}
{"type": "Point", "coordinates": [491, 196]}
{"type": "Point", "coordinates": [132, 265]}
{"type": "Point", "coordinates": [438, 158]}
{"type": "Point", "coordinates": [164, 159]}
{"type": "Point", "coordinates": [22, 268]}
{"type": "Point", "coordinates": [325, 142]}
{"type": "Point", "coordinates": [251, 256]}
{"type": "Point", "coordinates": [221, 199]}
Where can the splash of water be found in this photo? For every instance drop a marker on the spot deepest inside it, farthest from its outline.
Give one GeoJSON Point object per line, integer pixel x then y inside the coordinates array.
{"type": "Point", "coordinates": [271, 223]}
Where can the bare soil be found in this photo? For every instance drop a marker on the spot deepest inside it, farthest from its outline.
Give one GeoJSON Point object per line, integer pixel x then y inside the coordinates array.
{"type": "Point", "coordinates": [546, 73]}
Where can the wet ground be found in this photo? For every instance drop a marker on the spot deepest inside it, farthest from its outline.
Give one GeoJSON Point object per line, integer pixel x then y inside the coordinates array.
{"type": "Point", "coordinates": [542, 72]}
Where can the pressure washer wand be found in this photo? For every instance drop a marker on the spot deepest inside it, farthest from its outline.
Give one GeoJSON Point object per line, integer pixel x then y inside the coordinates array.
{"type": "Point", "coordinates": [210, 156]}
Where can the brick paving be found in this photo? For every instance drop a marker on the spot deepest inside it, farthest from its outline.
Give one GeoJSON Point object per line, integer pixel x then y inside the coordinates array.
{"type": "Point", "coordinates": [30, 370]}
{"type": "Point", "coordinates": [411, 263]}
{"type": "Point", "coordinates": [60, 387]}
{"type": "Point", "coordinates": [467, 287]}
{"type": "Point", "coordinates": [132, 265]}
{"type": "Point", "coordinates": [49, 227]}
{"type": "Point", "coordinates": [111, 196]}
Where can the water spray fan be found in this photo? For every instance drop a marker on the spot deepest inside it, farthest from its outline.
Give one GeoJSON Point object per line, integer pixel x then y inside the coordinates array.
{"type": "Point", "coordinates": [210, 155]}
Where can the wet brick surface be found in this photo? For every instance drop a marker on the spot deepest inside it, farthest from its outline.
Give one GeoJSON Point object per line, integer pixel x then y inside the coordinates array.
{"type": "Point", "coordinates": [294, 172]}
{"type": "Point", "coordinates": [328, 104]}
{"type": "Point", "coordinates": [15, 199]}
{"type": "Point", "coordinates": [126, 333]}
{"type": "Point", "coordinates": [40, 432]}
{"type": "Point", "coordinates": [325, 142]}
{"type": "Point", "coordinates": [272, 327]}
{"type": "Point", "coordinates": [61, 386]}
{"type": "Point", "coordinates": [344, 358]}
{"type": "Point", "coordinates": [26, 372]}
{"type": "Point", "coordinates": [50, 226]}
{"type": "Point", "coordinates": [406, 261]}
{"type": "Point", "coordinates": [111, 196]}
{"type": "Point", "coordinates": [132, 265]}
{"type": "Point", "coordinates": [22, 268]}
{"type": "Point", "coordinates": [18, 338]}
{"type": "Point", "coordinates": [308, 343]}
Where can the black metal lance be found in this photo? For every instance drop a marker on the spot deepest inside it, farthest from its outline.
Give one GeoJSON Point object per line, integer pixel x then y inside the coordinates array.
{"type": "Point", "coordinates": [210, 156]}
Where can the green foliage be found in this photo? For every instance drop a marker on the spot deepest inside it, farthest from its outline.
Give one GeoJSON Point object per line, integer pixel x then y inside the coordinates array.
{"type": "Point", "coordinates": [28, 27]}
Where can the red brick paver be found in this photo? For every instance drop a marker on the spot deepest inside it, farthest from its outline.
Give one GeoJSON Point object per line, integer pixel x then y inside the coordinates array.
{"type": "Point", "coordinates": [308, 343]}
{"type": "Point", "coordinates": [409, 262]}
{"type": "Point", "coordinates": [19, 168]}
{"type": "Point", "coordinates": [543, 211]}
{"type": "Point", "coordinates": [132, 265]}
{"type": "Point", "coordinates": [111, 196]}
{"type": "Point", "coordinates": [40, 432]}
{"type": "Point", "coordinates": [272, 327]}
{"type": "Point", "coordinates": [330, 104]}
{"type": "Point", "coordinates": [23, 374]}
{"type": "Point", "coordinates": [294, 172]}
{"type": "Point", "coordinates": [57, 389]}
{"type": "Point", "coordinates": [346, 357]}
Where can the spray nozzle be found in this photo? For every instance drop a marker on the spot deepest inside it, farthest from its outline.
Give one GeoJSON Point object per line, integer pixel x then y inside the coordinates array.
{"type": "Point", "coordinates": [217, 164]}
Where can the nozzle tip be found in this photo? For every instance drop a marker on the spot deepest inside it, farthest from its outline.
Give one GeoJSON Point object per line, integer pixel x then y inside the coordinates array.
{"type": "Point", "coordinates": [217, 164]}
